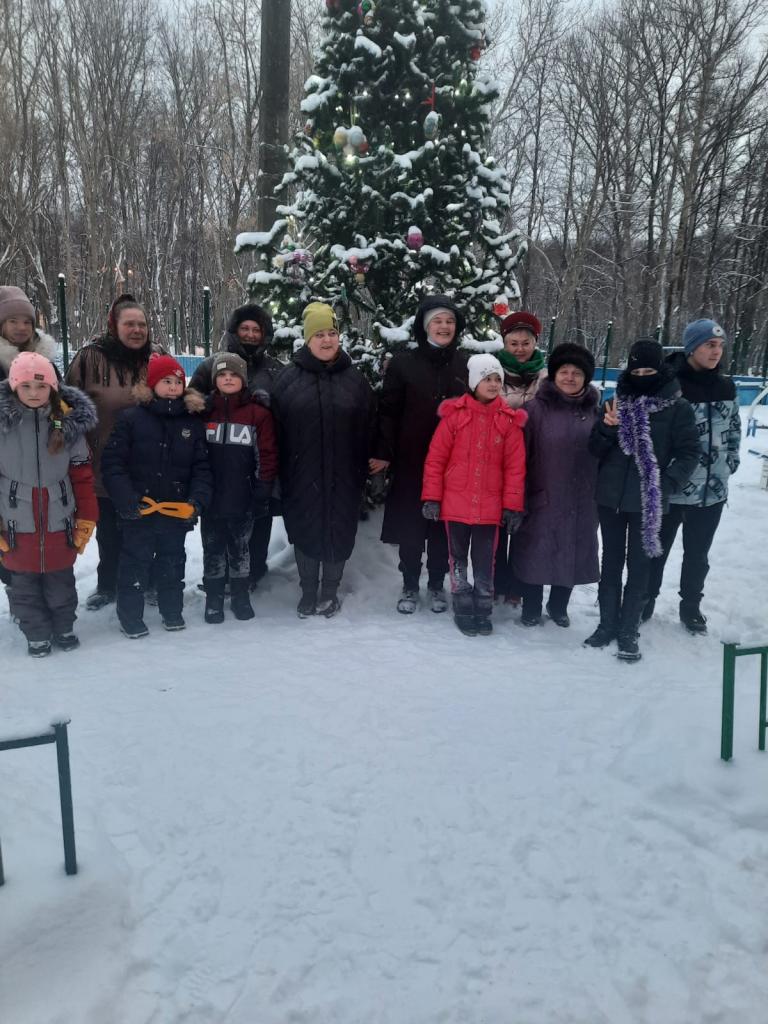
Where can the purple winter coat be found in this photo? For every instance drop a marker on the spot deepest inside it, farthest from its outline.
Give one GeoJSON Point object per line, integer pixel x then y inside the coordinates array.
{"type": "Point", "coordinates": [557, 543]}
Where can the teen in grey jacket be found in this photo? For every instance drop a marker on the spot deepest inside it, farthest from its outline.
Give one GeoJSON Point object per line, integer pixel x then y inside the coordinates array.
{"type": "Point", "coordinates": [698, 505]}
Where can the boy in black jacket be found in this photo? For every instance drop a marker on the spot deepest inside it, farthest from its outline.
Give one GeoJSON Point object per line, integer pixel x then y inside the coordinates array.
{"type": "Point", "coordinates": [155, 469]}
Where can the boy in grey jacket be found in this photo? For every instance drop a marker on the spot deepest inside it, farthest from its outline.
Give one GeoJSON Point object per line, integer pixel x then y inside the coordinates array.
{"type": "Point", "coordinates": [699, 504]}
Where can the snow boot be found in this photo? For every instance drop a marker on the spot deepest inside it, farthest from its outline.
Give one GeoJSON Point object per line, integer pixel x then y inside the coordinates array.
{"type": "Point", "coordinates": [328, 606]}
{"type": "Point", "coordinates": [609, 599]}
{"type": "Point", "coordinates": [692, 619]}
{"type": "Point", "coordinates": [173, 623]}
{"type": "Point", "coordinates": [66, 641]}
{"type": "Point", "coordinates": [308, 604]}
{"type": "Point", "coordinates": [628, 647]}
{"type": "Point", "coordinates": [408, 601]}
{"type": "Point", "coordinates": [240, 604]}
{"type": "Point", "coordinates": [214, 601]}
{"type": "Point", "coordinates": [99, 599]}
{"type": "Point", "coordinates": [530, 618]}
{"type": "Point", "coordinates": [438, 602]}
{"type": "Point", "coordinates": [134, 630]}
{"type": "Point", "coordinates": [38, 648]}
{"type": "Point", "coordinates": [466, 624]}
{"type": "Point", "coordinates": [560, 618]}
{"type": "Point", "coordinates": [484, 625]}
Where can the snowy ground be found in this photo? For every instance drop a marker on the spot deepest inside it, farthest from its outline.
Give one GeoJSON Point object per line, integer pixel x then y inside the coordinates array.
{"type": "Point", "coordinates": [374, 819]}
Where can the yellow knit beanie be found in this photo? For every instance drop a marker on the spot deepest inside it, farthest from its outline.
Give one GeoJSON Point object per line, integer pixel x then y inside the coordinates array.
{"type": "Point", "coordinates": [318, 317]}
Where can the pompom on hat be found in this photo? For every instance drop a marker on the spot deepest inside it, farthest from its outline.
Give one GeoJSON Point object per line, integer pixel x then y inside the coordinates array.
{"type": "Point", "coordinates": [521, 319]}
{"type": "Point", "coordinates": [482, 366]}
{"type": "Point", "coordinates": [31, 366]}
{"type": "Point", "coordinates": [163, 366]}
{"type": "Point", "coordinates": [699, 333]}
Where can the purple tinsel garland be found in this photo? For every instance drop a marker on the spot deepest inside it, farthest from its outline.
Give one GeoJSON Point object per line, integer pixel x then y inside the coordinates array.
{"type": "Point", "coordinates": [635, 439]}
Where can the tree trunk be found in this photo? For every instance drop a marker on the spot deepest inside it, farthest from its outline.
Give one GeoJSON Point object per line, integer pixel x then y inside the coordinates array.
{"type": "Point", "coordinates": [275, 67]}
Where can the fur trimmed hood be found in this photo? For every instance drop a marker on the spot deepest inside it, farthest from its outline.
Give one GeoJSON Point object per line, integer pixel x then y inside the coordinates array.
{"type": "Point", "coordinates": [79, 412]}
{"type": "Point", "coordinates": [191, 401]}
{"type": "Point", "coordinates": [42, 343]}
{"type": "Point", "coordinates": [468, 405]}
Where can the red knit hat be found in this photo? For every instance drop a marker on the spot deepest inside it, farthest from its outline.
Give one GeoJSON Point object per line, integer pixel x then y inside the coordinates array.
{"type": "Point", "coordinates": [521, 319]}
{"type": "Point", "coordinates": [163, 366]}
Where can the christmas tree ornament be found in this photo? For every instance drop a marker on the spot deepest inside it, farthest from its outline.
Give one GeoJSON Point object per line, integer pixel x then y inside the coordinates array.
{"type": "Point", "coordinates": [414, 239]}
{"type": "Point", "coordinates": [475, 53]}
{"type": "Point", "coordinates": [355, 135]}
{"type": "Point", "coordinates": [340, 137]}
{"type": "Point", "coordinates": [431, 125]}
{"type": "Point", "coordinates": [363, 148]}
{"type": "Point", "coordinates": [309, 127]}
{"type": "Point", "coordinates": [333, 5]}
{"type": "Point", "coordinates": [501, 306]}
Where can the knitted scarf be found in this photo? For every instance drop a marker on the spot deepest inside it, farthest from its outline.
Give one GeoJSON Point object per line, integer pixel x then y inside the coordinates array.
{"type": "Point", "coordinates": [635, 439]}
{"type": "Point", "coordinates": [529, 369]}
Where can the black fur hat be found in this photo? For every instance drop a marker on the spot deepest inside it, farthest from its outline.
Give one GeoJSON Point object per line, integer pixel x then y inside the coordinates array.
{"type": "Point", "coordinates": [574, 354]}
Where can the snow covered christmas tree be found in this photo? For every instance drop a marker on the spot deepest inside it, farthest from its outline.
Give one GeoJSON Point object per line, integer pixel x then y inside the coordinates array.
{"type": "Point", "coordinates": [391, 195]}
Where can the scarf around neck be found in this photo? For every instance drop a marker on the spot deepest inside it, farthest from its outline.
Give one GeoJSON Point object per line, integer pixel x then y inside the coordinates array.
{"type": "Point", "coordinates": [529, 369]}
{"type": "Point", "coordinates": [635, 440]}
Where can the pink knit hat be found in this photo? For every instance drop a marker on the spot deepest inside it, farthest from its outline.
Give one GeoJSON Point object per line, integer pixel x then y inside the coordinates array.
{"type": "Point", "coordinates": [31, 366]}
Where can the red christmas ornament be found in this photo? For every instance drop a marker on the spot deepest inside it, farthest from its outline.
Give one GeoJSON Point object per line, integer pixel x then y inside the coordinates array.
{"type": "Point", "coordinates": [501, 306]}
{"type": "Point", "coordinates": [475, 53]}
{"type": "Point", "coordinates": [363, 147]}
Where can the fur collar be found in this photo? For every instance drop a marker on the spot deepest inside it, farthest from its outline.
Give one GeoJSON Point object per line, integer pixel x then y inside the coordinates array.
{"type": "Point", "coordinates": [79, 412]}
{"type": "Point", "coordinates": [42, 343]}
{"type": "Point", "coordinates": [191, 401]}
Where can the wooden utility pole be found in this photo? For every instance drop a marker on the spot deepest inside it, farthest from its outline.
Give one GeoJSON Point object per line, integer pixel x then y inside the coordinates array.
{"type": "Point", "coordinates": [273, 106]}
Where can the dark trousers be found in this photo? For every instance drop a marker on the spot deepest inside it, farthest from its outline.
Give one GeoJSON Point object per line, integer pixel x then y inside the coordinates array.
{"type": "Point", "coordinates": [699, 527]}
{"type": "Point", "coordinates": [437, 558]}
{"type": "Point", "coordinates": [153, 545]}
{"type": "Point", "coordinates": [226, 545]}
{"type": "Point", "coordinates": [621, 534]}
{"type": "Point", "coordinates": [44, 603]}
{"type": "Point", "coordinates": [259, 546]}
{"type": "Point", "coordinates": [108, 540]}
{"type": "Point", "coordinates": [309, 575]}
{"type": "Point", "coordinates": [480, 542]}
{"type": "Point", "coordinates": [533, 598]}
{"type": "Point", "coordinates": [504, 580]}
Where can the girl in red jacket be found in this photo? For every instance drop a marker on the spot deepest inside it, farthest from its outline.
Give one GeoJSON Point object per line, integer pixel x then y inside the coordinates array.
{"type": "Point", "coordinates": [474, 480]}
{"type": "Point", "coordinates": [47, 502]}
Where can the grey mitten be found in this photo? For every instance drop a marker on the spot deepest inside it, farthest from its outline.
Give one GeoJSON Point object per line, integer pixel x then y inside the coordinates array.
{"type": "Point", "coordinates": [431, 510]}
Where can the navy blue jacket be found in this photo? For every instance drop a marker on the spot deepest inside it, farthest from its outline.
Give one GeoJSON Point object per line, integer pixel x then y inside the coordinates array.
{"type": "Point", "coordinates": [157, 449]}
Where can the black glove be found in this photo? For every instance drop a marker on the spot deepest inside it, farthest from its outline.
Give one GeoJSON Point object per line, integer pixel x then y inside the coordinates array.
{"type": "Point", "coordinates": [431, 510]}
{"type": "Point", "coordinates": [192, 521]}
{"type": "Point", "coordinates": [512, 521]}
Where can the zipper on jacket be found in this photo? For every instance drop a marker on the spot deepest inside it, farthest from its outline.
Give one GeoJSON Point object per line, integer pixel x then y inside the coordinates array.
{"type": "Point", "coordinates": [39, 493]}
{"type": "Point", "coordinates": [709, 454]}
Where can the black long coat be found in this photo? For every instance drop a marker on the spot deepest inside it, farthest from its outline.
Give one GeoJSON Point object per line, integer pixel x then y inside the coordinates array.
{"type": "Point", "coordinates": [323, 413]}
{"type": "Point", "coordinates": [415, 384]}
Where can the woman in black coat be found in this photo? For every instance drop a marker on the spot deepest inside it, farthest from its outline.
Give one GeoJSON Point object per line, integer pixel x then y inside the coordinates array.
{"type": "Point", "coordinates": [323, 409]}
{"type": "Point", "coordinates": [647, 446]}
{"type": "Point", "coordinates": [416, 382]}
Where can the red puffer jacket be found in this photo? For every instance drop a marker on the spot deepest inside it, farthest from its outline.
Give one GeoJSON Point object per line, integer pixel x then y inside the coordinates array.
{"type": "Point", "coordinates": [476, 462]}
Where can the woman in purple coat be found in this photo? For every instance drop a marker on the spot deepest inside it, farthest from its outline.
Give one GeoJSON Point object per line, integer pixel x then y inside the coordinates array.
{"type": "Point", "coordinates": [557, 543]}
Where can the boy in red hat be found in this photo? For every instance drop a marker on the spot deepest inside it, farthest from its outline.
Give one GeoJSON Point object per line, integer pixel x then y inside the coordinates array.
{"type": "Point", "coordinates": [155, 469]}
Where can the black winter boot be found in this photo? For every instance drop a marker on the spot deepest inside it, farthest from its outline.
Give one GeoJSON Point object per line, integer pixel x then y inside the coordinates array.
{"type": "Point", "coordinates": [648, 609]}
{"type": "Point", "coordinates": [609, 599]}
{"type": "Point", "coordinates": [466, 624]}
{"type": "Point", "coordinates": [241, 599]}
{"type": "Point", "coordinates": [631, 609]}
{"type": "Point", "coordinates": [692, 619]}
{"type": "Point", "coordinates": [214, 601]}
{"type": "Point", "coordinates": [308, 604]}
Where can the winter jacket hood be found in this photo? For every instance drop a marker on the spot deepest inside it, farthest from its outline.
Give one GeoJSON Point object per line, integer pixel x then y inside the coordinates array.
{"type": "Point", "coordinates": [250, 311]}
{"type": "Point", "coordinates": [79, 412]}
{"type": "Point", "coordinates": [41, 343]}
{"type": "Point", "coordinates": [701, 385]}
{"type": "Point", "coordinates": [420, 333]}
{"type": "Point", "coordinates": [190, 402]}
{"type": "Point", "coordinates": [307, 361]}
{"type": "Point", "coordinates": [469, 406]}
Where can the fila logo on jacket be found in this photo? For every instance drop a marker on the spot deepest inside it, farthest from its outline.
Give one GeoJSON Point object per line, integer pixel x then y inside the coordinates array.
{"type": "Point", "coordinates": [230, 433]}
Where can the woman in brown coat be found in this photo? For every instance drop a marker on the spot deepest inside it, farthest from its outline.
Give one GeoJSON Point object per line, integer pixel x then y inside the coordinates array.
{"type": "Point", "coordinates": [107, 369]}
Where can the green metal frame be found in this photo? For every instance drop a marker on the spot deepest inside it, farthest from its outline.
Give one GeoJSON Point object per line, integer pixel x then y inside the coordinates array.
{"type": "Point", "coordinates": [63, 328]}
{"type": "Point", "coordinates": [57, 735]}
{"type": "Point", "coordinates": [730, 653]}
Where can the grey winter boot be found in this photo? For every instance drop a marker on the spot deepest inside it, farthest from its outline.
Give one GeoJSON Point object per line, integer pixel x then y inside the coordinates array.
{"type": "Point", "coordinates": [214, 601]}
